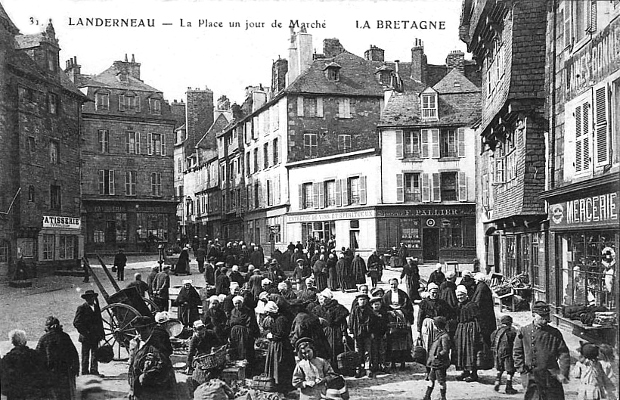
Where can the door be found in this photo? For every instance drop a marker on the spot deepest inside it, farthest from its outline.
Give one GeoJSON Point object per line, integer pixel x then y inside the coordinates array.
{"type": "Point", "coordinates": [5, 251]}
{"type": "Point", "coordinates": [430, 244]}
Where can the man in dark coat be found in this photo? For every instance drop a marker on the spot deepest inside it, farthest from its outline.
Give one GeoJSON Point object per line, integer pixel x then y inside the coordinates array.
{"type": "Point", "coordinates": [139, 284]}
{"type": "Point", "coordinates": [402, 254]}
{"type": "Point", "coordinates": [200, 255]}
{"type": "Point", "coordinates": [120, 261]}
{"type": "Point", "coordinates": [359, 270]}
{"type": "Point", "coordinates": [437, 276]}
{"type": "Point", "coordinates": [222, 282]}
{"type": "Point", "coordinates": [161, 287]}
{"type": "Point", "coordinates": [541, 356]}
{"type": "Point", "coordinates": [22, 371]}
{"type": "Point", "coordinates": [257, 258]}
{"type": "Point", "coordinates": [483, 297]}
{"type": "Point", "coordinates": [209, 271]}
{"type": "Point", "coordinates": [89, 324]}
{"type": "Point", "coordinates": [150, 279]}
{"type": "Point", "coordinates": [188, 301]}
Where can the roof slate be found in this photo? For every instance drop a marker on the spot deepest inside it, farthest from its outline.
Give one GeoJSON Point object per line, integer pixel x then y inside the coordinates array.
{"type": "Point", "coordinates": [6, 20]}
{"type": "Point", "coordinates": [108, 79]}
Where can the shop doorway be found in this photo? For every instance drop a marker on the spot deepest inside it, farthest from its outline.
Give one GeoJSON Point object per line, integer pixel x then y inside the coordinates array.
{"type": "Point", "coordinates": [5, 251]}
{"type": "Point", "coordinates": [430, 244]}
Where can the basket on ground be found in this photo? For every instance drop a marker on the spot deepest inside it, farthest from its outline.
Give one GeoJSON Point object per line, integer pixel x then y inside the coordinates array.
{"type": "Point", "coordinates": [349, 361]}
{"type": "Point", "coordinates": [213, 360]}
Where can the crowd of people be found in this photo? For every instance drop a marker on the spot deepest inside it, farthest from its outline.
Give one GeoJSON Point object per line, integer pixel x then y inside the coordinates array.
{"type": "Point", "coordinates": [248, 304]}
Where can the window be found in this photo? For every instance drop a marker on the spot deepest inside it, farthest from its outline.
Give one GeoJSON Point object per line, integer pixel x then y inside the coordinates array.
{"type": "Point", "coordinates": [51, 60]}
{"type": "Point", "coordinates": [266, 155]}
{"type": "Point", "coordinates": [31, 194]}
{"type": "Point", "coordinates": [54, 152]}
{"type": "Point", "coordinates": [306, 195]}
{"type": "Point", "coordinates": [102, 101]}
{"type": "Point", "coordinates": [412, 144]}
{"type": "Point", "coordinates": [447, 144]}
{"type": "Point", "coordinates": [255, 160]}
{"type": "Point", "coordinates": [103, 137]}
{"type": "Point", "coordinates": [330, 193]}
{"type": "Point", "coordinates": [353, 190]}
{"type": "Point", "coordinates": [52, 103]}
{"type": "Point", "coordinates": [429, 106]}
{"type": "Point", "coordinates": [344, 142]}
{"type": "Point", "coordinates": [156, 144]}
{"type": "Point", "coordinates": [310, 144]}
{"type": "Point", "coordinates": [344, 108]}
{"type": "Point", "coordinates": [129, 102]}
{"type": "Point", "coordinates": [582, 137]}
{"type": "Point", "coordinates": [413, 190]}
{"type": "Point", "coordinates": [256, 194]}
{"type": "Point", "coordinates": [55, 197]}
{"type": "Point", "coordinates": [276, 152]}
{"type": "Point", "coordinates": [270, 193]}
{"type": "Point", "coordinates": [130, 183]}
{"type": "Point", "coordinates": [32, 144]}
{"type": "Point", "coordinates": [132, 141]}
{"type": "Point", "coordinates": [66, 247]}
{"type": "Point", "coordinates": [333, 73]}
{"type": "Point", "coordinates": [106, 181]}
{"type": "Point", "coordinates": [310, 107]}
{"type": "Point", "coordinates": [155, 106]}
{"type": "Point", "coordinates": [48, 247]}
{"type": "Point", "coordinates": [156, 184]}
{"type": "Point", "coordinates": [448, 186]}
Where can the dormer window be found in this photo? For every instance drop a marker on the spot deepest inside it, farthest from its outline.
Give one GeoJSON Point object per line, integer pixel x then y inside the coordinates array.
{"type": "Point", "coordinates": [155, 106]}
{"type": "Point", "coordinates": [332, 71]}
{"type": "Point", "coordinates": [384, 75]}
{"type": "Point", "coordinates": [428, 101]}
{"type": "Point", "coordinates": [128, 102]}
{"type": "Point", "coordinates": [102, 101]}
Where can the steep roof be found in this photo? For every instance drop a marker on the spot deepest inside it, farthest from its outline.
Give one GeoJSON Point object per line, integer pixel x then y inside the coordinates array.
{"type": "Point", "coordinates": [455, 82]}
{"type": "Point", "coordinates": [109, 79]}
{"type": "Point", "coordinates": [220, 123]}
{"type": "Point", "coordinates": [6, 21]}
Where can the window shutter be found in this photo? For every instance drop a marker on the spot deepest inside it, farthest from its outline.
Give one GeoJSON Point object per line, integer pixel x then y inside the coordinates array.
{"type": "Point", "coordinates": [279, 198]}
{"type": "Point", "coordinates": [127, 141]}
{"type": "Point", "coordinates": [340, 108]}
{"type": "Point", "coordinates": [347, 108]}
{"type": "Point", "coordinates": [101, 181]}
{"type": "Point", "coordinates": [261, 201]}
{"type": "Point", "coordinates": [426, 188]}
{"type": "Point", "coordinates": [436, 185]}
{"type": "Point", "coordinates": [499, 170]}
{"type": "Point", "coordinates": [301, 196]}
{"type": "Point", "coordinates": [602, 137]}
{"type": "Point", "coordinates": [363, 192]}
{"type": "Point", "coordinates": [121, 102]}
{"type": "Point", "coordinates": [400, 188]}
{"type": "Point", "coordinates": [425, 133]}
{"type": "Point", "coordinates": [138, 150]}
{"type": "Point", "coordinates": [321, 190]}
{"type": "Point", "coordinates": [345, 192]}
{"type": "Point", "coordinates": [399, 144]}
{"type": "Point", "coordinates": [163, 144]}
{"type": "Point", "coordinates": [462, 186]}
{"type": "Point", "coordinates": [338, 193]}
{"type": "Point", "coordinates": [149, 143]}
{"type": "Point", "coordinates": [111, 181]}
{"type": "Point", "coordinates": [315, 194]}
{"type": "Point", "coordinates": [461, 142]}
{"type": "Point", "coordinates": [319, 107]}
{"type": "Point", "coordinates": [435, 143]}
{"type": "Point", "coordinates": [300, 106]}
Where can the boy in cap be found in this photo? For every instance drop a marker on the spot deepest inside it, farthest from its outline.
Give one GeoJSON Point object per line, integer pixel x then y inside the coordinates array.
{"type": "Point", "coordinates": [541, 356]}
{"type": "Point", "coordinates": [359, 325]}
{"type": "Point", "coordinates": [438, 360]}
{"type": "Point", "coordinates": [378, 331]}
{"type": "Point", "coordinates": [502, 343]}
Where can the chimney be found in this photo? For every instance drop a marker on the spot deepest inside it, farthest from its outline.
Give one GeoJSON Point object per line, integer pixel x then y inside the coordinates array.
{"type": "Point", "coordinates": [456, 59]}
{"type": "Point", "coordinates": [300, 54]}
{"type": "Point", "coordinates": [128, 68]}
{"type": "Point", "coordinates": [374, 54]}
{"type": "Point", "coordinates": [278, 75]}
{"type": "Point", "coordinates": [236, 111]}
{"type": "Point", "coordinates": [73, 70]}
{"type": "Point", "coordinates": [396, 79]}
{"type": "Point", "coordinates": [332, 47]}
{"type": "Point", "coordinates": [418, 61]}
{"type": "Point", "coordinates": [223, 104]}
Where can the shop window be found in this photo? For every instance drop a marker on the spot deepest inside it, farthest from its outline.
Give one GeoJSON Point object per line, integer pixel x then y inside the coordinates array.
{"type": "Point", "coordinates": [413, 190]}
{"type": "Point", "coordinates": [310, 144]}
{"type": "Point", "coordinates": [103, 138]}
{"type": "Point", "coordinates": [48, 247]}
{"type": "Point", "coordinates": [98, 236]}
{"type": "Point", "coordinates": [27, 248]}
{"type": "Point", "coordinates": [318, 230]}
{"type": "Point", "coordinates": [451, 233]}
{"type": "Point", "coordinates": [55, 197]}
{"type": "Point", "coordinates": [330, 193]}
{"type": "Point", "coordinates": [512, 267]}
{"type": "Point", "coordinates": [410, 232]}
{"type": "Point", "coordinates": [66, 247]}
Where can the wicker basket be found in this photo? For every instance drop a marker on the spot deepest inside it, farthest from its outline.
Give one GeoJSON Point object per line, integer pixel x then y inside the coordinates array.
{"type": "Point", "coordinates": [213, 360]}
{"type": "Point", "coordinates": [349, 361]}
{"type": "Point", "coordinates": [263, 382]}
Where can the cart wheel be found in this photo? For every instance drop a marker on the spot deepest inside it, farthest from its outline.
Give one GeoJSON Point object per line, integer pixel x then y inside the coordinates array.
{"type": "Point", "coordinates": [118, 321]}
{"type": "Point", "coordinates": [152, 306]}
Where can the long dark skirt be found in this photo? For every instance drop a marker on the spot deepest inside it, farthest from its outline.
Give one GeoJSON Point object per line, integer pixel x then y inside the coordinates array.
{"type": "Point", "coordinates": [280, 364]}
{"type": "Point", "coordinates": [399, 344]}
{"type": "Point", "coordinates": [467, 342]}
{"type": "Point", "coordinates": [241, 343]}
{"type": "Point", "coordinates": [334, 338]}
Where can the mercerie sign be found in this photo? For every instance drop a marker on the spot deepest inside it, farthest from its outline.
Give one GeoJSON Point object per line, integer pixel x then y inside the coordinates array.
{"type": "Point", "coordinates": [588, 211]}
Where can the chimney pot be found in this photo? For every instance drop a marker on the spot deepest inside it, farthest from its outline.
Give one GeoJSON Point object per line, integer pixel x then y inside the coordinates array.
{"type": "Point", "coordinates": [133, 58]}
{"type": "Point", "coordinates": [126, 57]}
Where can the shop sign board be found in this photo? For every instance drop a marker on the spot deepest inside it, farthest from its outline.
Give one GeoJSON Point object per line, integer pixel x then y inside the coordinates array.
{"type": "Point", "coordinates": [54, 221]}
{"type": "Point", "coordinates": [587, 211]}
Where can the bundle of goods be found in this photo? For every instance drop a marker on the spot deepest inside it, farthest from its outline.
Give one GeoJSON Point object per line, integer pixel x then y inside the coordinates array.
{"type": "Point", "coordinates": [605, 318]}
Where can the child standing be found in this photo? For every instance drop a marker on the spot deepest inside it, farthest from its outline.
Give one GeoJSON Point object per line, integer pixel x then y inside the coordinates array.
{"type": "Point", "coordinates": [502, 342]}
{"type": "Point", "coordinates": [595, 384]}
{"type": "Point", "coordinates": [438, 359]}
{"type": "Point", "coordinates": [378, 330]}
{"type": "Point", "coordinates": [359, 325]}
{"type": "Point", "coordinates": [606, 358]}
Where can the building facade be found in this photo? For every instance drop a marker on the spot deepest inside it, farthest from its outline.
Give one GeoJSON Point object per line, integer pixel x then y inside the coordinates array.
{"type": "Point", "coordinates": [583, 167]}
{"type": "Point", "coordinates": [507, 41]}
{"type": "Point", "coordinates": [127, 161]}
{"type": "Point", "coordinates": [40, 164]}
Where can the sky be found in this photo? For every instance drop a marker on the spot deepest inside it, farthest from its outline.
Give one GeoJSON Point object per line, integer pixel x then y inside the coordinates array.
{"type": "Point", "coordinates": [227, 59]}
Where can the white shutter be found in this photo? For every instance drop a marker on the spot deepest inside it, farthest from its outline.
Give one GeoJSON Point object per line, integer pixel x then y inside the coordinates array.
{"type": "Point", "coordinates": [163, 144]}
{"type": "Point", "coordinates": [399, 144]}
{"type": "Point", "coordinates": [426, 188]}
{"type": "Point", "coordinates": [101, 181]}
{"type": "Point", "coordinates": [301, 196]}
{"type": "Point", "coordinates": [338, 193]}
{"type": "Point", "coordinates": [111, 183]}
{"type": "Point", "coordinates": [300, 106]}
{"type": "Point", "coordinates": [149, 143]}
{"type": "Point", "coordinates": [315, 194]}
{"type": "Point", "coordinates": [461, 142]}
{"type": "Point", "coordinates": [347, 108]}
{"type": "Point", "coordinates": [601, 138]}
{"type": "Point", "coordinates": [400, 188]}
{"type": "Point", "coordinates": [434, 143]}
{"type": "Point", "coordinates": [436, 187]}
{"type": "Point", "coordinates": [345, 192]}
{"type": "Point", "coordinates": [319, 107]}
{"type": "Point", "coordinates": [138, 150]}
{"type": "Point", "coordinates": [425, 142]}
{"type": "Point", "coordinates": [340, 108]}
{"type": "Point", "coordinates": [321, 191]}
{"type": "Point", "coordinates": [363, 191]}
{"type": "Point", "coordinates": [462, 182]}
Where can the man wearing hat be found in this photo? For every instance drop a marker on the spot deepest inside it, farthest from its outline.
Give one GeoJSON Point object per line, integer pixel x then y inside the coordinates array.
{"type": "Point", "coordinates": [541, 356]}
{"type": "Point", "coordinates": [359, 326]}
{"type": "Point", "coordinates": [161, 286]}
{"type": "Point", "coordinates": [222, 282]}
{"type": "Point", "coordinates": [89, 324]}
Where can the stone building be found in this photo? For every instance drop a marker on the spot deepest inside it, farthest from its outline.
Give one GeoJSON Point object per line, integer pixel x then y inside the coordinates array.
{"type": "Point", "coordinates": [40, 154]}
{"type": "Point", "coordinates": [127, 160]}
{"type": "Point", "coordinates": [428, 166]}
{"type": "Point", "coordinates": [583, 181]}
{"type": "Point", "coordinates": [507, 41]}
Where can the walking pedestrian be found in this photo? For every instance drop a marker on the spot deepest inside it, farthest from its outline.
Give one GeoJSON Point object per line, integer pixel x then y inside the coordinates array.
{"type": "Point", "coordinates": [438, 359]}
{"type": "Point", "coordinates": [120, 261]}
{"type": "Point", "coordinates": [200, 253]}
{"type": "Point", "coordinates": [502, 340]}
{"type": "Point", "coordinates": [161, 287]}
{"type": "Point", "coordinates": [89, 324]}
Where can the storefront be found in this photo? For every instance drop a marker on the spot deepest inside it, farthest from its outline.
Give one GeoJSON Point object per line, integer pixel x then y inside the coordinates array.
{"type": "Point", "coordinates": [59, 244]}
{"type": "Point", "coordinates": [355, 229]}
{"type": "Point", "coordinates": [431, 233]}
{"type": "Point", "coordinates": [136, 227]}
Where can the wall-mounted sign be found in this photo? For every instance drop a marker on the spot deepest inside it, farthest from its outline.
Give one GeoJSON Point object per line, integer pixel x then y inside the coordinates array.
{"type": "Point", "coordinates": [53, 221]}
{"type": "Point", "coordinates": [425, 210]}
{"type": "Point", "coordinates": [331, 216]}
{"type": "Point", "coordinates": [588, 211]}
{"type": "Point", "coordinates": [430, 222]}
